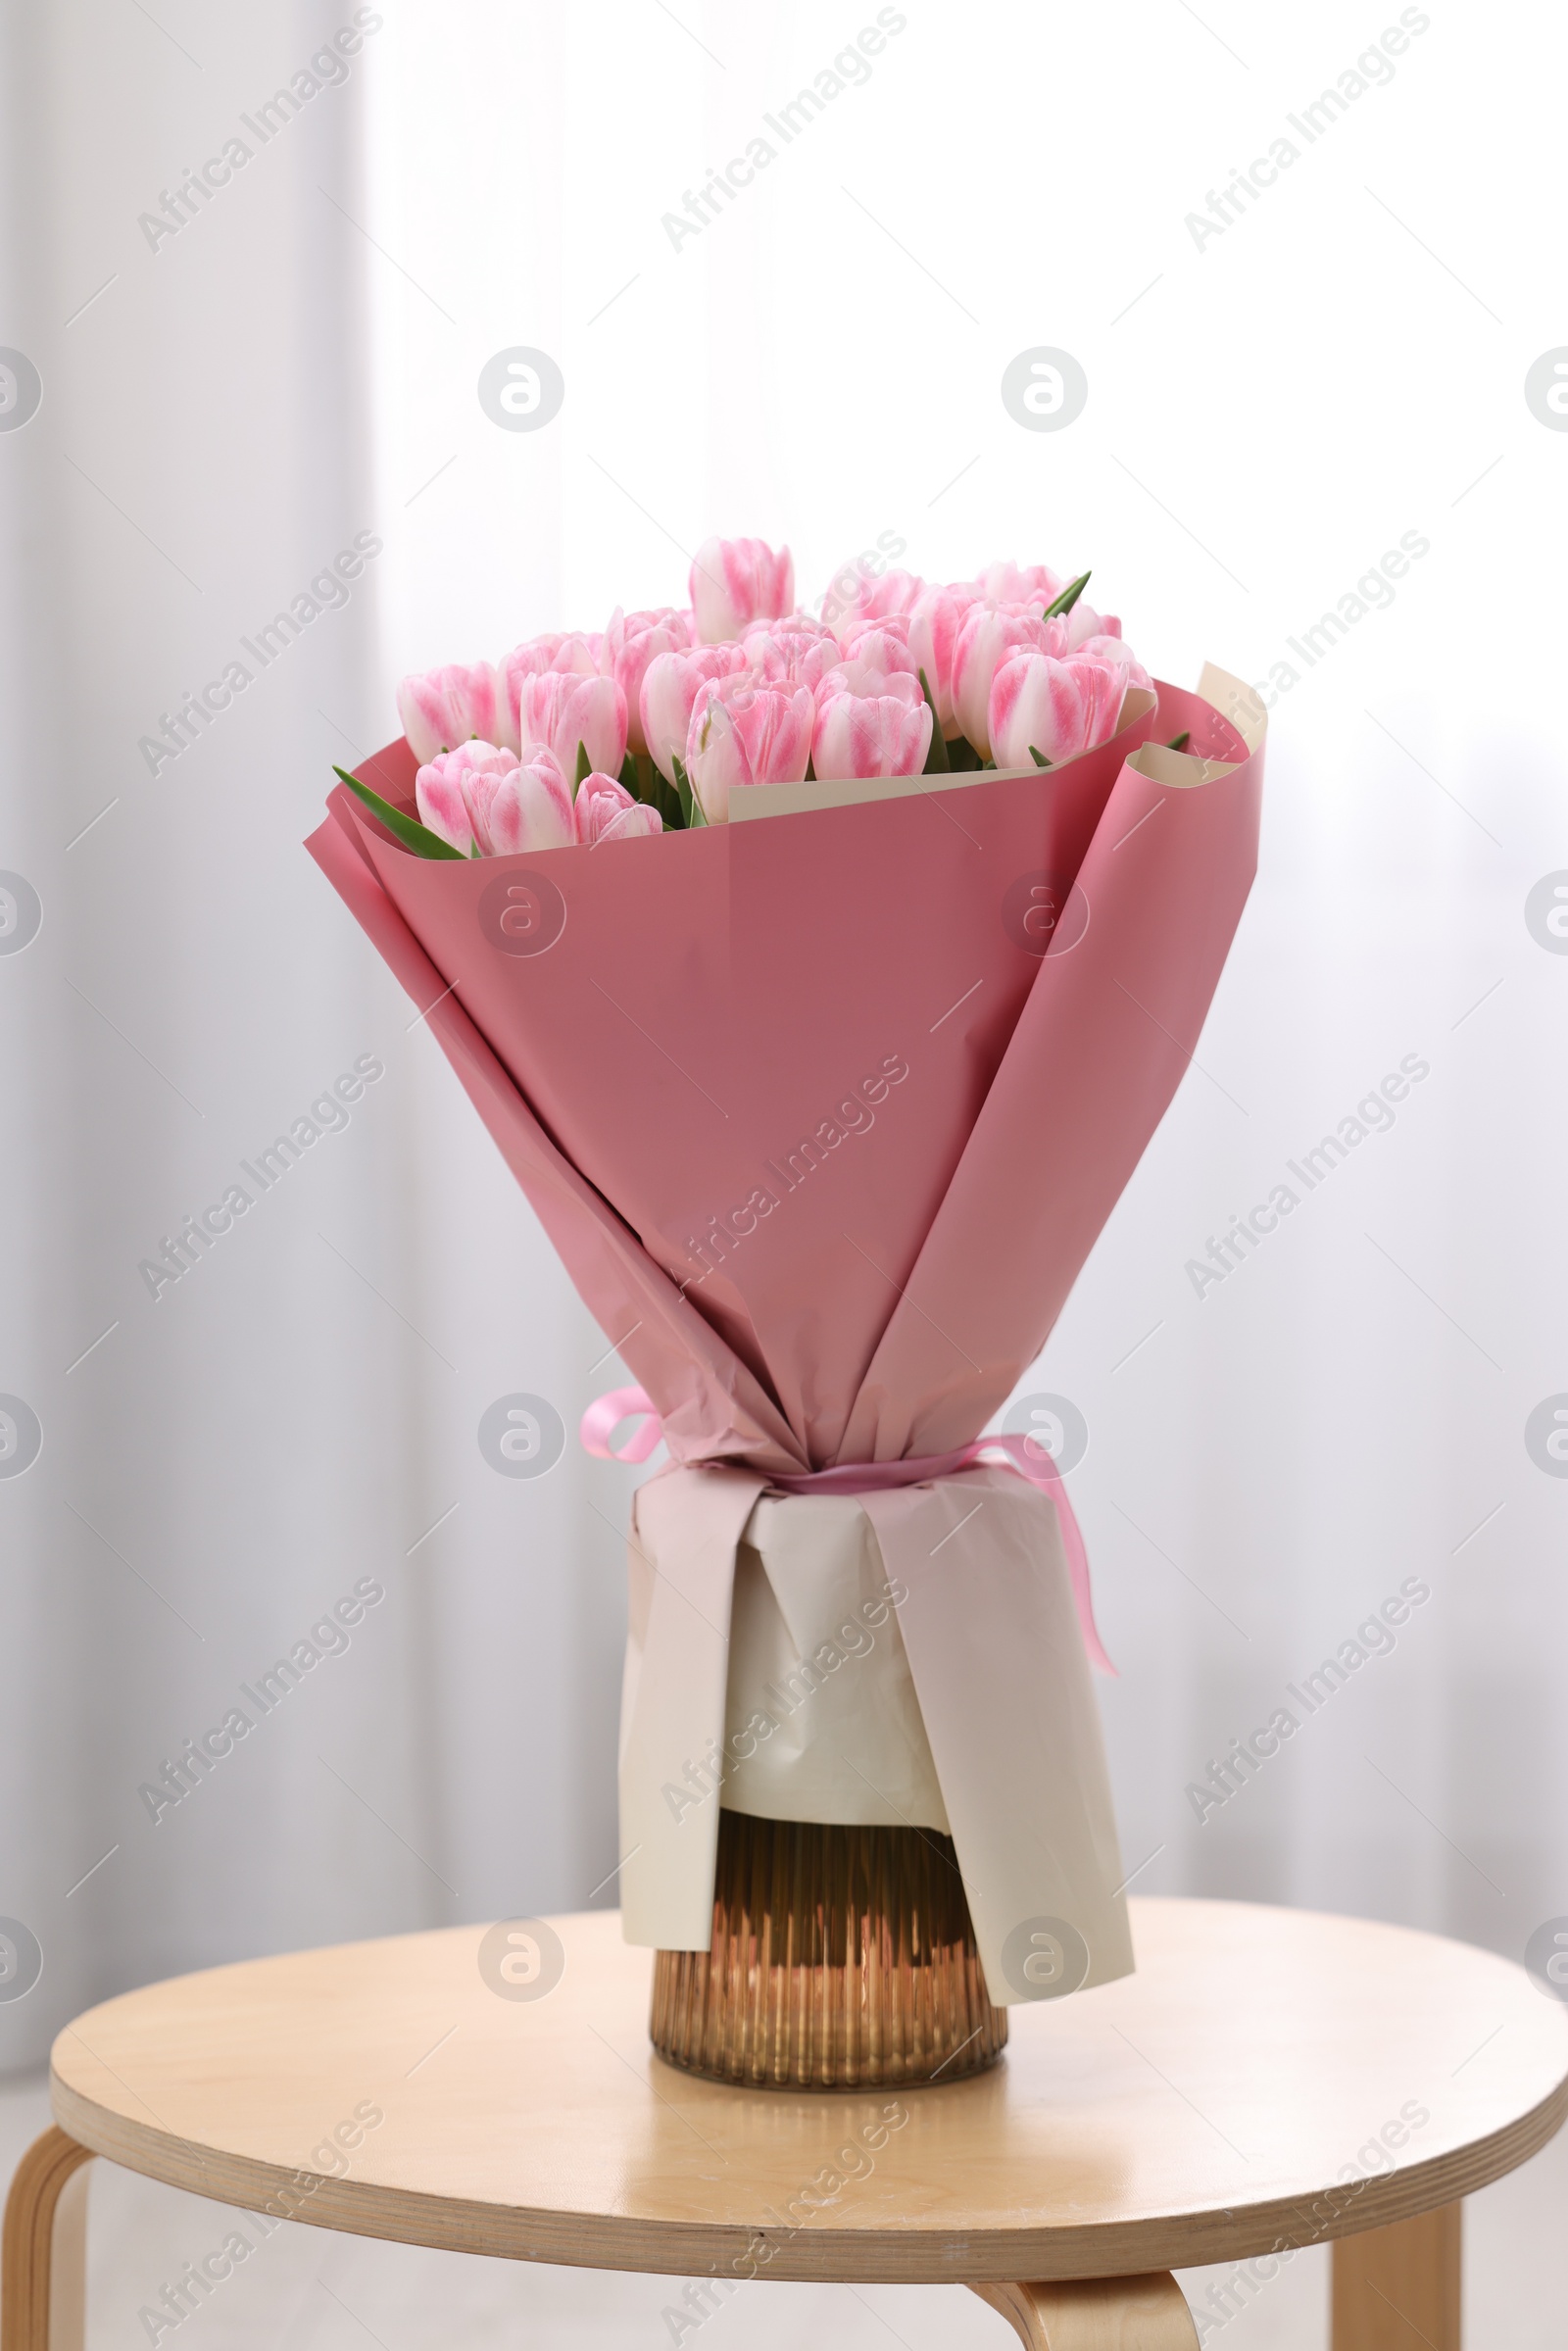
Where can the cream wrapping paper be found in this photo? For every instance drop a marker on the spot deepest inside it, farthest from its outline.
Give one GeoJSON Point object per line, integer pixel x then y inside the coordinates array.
{"type": "Point", "coordinates": [971, 1705]}
{"type": "Point", "coordinates": [817, 1661]}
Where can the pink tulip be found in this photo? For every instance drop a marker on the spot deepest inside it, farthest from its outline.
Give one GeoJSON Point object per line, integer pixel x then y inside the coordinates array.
{"type": "Point", "coordinates": [893, 625]}
{"type": "Point", "coordinates": [538, 656]}
{"type": "Point", "coordinates": [531, 808]}
{"type": "Point", "coordinates": [877, 664]}
{"type": "Point", "coordinates": [866, 679]}
{"type": "Point", "coordinates": [873, 596]}
{"type": "Point", "coordinates": [567, 711]}
{"type": "Point", "coordinates": [1116, 650]}
{"type": "Point", "coordinates": [934, 626]}
{"type": "Point", "coordinates": [604, 812]}
{"type": "Point", "coordinates": [784, 655]}
{"type": "Point", "coordinates": [736, 581]}
{"type": "Point", "coordinates": [556, 650]}
{"type": "Point", "coordinates": [1084, 622]}
{"type": "Point", "coordinates": [805, 624]}
{"type": "Point", "coordinates": [881, 644]}
{"type": "Point", "coordinates": [623, 626]}
{"type": "Point", "coordinates": [1028, 584]}
{"type": "Point", "coordinates": [744, 733]}
{"type": "Point", "coordinates": [670, 686]}
{"type": "Point", "coordinates": [878, 734]}
{"type": "Point", "coordinates": [633, 640]}
{"type": "Point", "coordinates": [1057, 708]}
{"type": "Point", "coordinates": [985, 639]}
{"type": "Point", "coordinates": [447, 706]}
{"type": "Point", "coordinates": [479, 797]}
{"type": "Point", "coordinates": [443, 805]}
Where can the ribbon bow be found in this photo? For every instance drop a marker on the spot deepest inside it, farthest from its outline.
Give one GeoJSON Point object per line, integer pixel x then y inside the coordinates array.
{"type": "Point", "coordinates": [1021, 1453]}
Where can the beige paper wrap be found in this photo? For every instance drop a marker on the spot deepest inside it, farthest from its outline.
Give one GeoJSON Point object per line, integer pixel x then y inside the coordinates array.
{"type": "Point", "coordinates": [907, 1655]}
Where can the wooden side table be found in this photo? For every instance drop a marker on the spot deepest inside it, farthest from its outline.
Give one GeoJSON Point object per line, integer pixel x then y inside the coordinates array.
{"type": "Point", "coordinates": [1269, 2078]}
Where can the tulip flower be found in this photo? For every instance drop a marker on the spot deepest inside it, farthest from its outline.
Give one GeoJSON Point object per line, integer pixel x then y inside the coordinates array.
{"type": "Point", "coordinates": [867, 680]}
{"type": "Point", "coordinates": [874, 734]}
{"type": "Point", "coordinates": [881, 645]}
{"type": "Point", "coordinates": [484, 801]}
{"type": "Point", "coordinates": [1084, 622]}
{"type": "Point", "coordinates": [605, 811]}
{"type": "Point", "coordinates": [985, 639]}
{"type": "Point", "coordinates": [736, 581]}
{"type": "Point", "coordinates": [529, 809]}
{"type": "Point", "coordinates": [933, 637]}
{"type": "Point", "coordinates": [537, 656]}
{"type": "Point", "coordinates": [1116, 650]}
{"type": "Point", "coordinates": [439, 797]}
{"type": "Point", "coordinates": [872, 596]}
{"type": "Point", "coordinates": [447, 706]}
{"type": "Point", "coordinates": [805, 624]}
{"type": "Point", "coordinates": [569, 712]}
{"type": "Point", "coordinates": [670, 686]}
{"type": "Point", "coordinates": [744, 733]}
{"type": "Point", "coordinates": [556, 650]}
{"type": "Point", "coordinates": [1048, 709]}
{"type": "Point", "coordinates": [631, 642]}
{"type": "Point", "coordinates": [1029, 585]}
{"type": "Point", "coordinates": [785, 655]}
{"type": "Point", "coordinates": [894, 625]}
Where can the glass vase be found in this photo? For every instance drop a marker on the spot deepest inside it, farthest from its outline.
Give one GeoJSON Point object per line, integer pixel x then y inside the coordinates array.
{"type": "Point", "coordinates": [842, 1958]}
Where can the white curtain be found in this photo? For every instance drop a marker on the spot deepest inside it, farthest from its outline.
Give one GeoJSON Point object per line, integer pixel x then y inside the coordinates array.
{"type": "Point", "coordinates": [1276, 400]}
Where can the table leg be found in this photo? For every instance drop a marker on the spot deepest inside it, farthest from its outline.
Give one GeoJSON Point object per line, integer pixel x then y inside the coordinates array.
{"type": "Point", "coordinates": [1395, 2288]}
{"type": "Point", "coordinates": [43, 2297]}
{"type": "Point", "coordinates": [1097, 2314]}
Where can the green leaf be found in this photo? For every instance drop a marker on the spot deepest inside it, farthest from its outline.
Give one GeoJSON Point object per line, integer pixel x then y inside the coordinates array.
{"type": "Point", "coordinates": [407, 829]}
{"type": "Point", "coordinates": [652, 789]}
{"type": "Point", "coordinates": [937, 761]}
{"type": "Point", "coordinates": [642, 779]}
{"type": "Point", "coordinates": [691, 808]}
{"type": "Point", "coordinates": [962, 757]}
{"type": "Point", "coordinates": [1039, 757]}
{"type": "Point", "coordinates": [1181, 741]}
{"type": "Point", "coordinates": [1068, 598]}
{"type": "Point", "coordinates": [585, 769]}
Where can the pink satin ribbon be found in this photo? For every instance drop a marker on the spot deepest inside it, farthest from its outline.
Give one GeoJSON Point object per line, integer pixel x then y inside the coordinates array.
{"type": "Point", "coordinates": [603, 1417]}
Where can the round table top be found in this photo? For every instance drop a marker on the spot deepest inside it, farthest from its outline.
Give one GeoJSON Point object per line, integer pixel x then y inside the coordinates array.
{"type": "Point", "coordinates": [1269, 2078]}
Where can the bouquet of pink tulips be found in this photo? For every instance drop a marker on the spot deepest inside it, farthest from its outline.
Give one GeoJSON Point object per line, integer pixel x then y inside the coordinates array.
{"type": "Point", "coordinates": [822, 987]}
{"type": "Point", "coordinates": [655, 722]}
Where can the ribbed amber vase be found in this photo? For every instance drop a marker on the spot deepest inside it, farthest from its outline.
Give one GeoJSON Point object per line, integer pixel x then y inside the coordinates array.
{"type": "Point", "coordinates": [842, 1958]}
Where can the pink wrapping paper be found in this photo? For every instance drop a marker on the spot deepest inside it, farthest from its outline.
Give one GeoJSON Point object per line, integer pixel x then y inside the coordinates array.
{"type": "Point", "coordinates": [653, 1030]}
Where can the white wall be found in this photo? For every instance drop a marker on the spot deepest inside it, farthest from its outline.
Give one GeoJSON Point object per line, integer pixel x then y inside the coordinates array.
{"type": "Point", "coordinates": [1268, 413]}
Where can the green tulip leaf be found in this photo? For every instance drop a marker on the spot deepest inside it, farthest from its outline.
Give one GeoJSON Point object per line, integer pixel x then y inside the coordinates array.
{"type": "Point", "coordinates": [1068, 598]}
{"type": "Point", "coordinates": [407, 829]}
{"type": "Point", "coordinates": [691, 808]}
